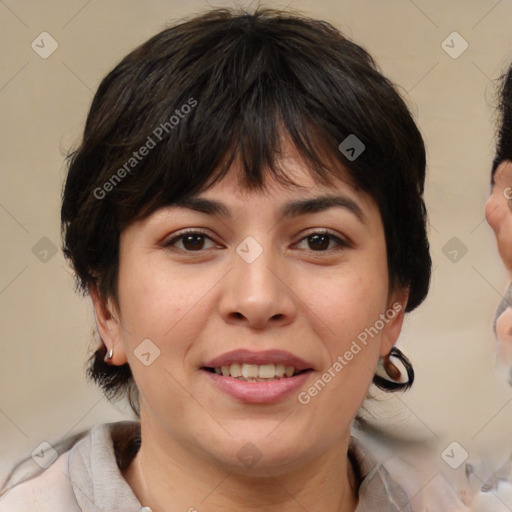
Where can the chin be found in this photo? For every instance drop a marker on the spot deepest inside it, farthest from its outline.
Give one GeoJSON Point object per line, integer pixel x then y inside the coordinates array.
{"type": "Point", "coordinates": [259, 456]}
{"type": "Point", "coordinates": [264, 464]}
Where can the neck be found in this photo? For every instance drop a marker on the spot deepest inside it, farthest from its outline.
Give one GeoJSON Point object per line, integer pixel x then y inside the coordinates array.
{"type": "Point", "coordinates": [169, 472]}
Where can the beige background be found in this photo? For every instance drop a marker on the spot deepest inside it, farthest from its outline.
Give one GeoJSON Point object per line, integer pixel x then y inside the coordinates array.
{"type": "Point", "coordinates": [46, 328]}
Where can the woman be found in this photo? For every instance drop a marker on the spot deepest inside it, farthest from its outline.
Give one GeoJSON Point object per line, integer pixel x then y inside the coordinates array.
{"type": "Point", "coordinates": [246, 212]}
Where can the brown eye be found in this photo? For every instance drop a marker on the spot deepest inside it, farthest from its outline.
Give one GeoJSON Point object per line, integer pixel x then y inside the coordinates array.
{"type": "Point", "coordinates": [319, 241]}
{"type": "Point", "coordinates": [192, 241]}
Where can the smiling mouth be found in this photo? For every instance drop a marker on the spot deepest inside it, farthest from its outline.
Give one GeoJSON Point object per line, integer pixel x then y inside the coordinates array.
{"type": "Point", "coordinates": [256, 373]}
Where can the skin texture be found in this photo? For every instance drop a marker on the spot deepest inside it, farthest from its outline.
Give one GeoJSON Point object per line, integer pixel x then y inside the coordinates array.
{"type": "Point", "coordinates": [498, 212]}
{"type": "Point", "coordinates": [199, 304]}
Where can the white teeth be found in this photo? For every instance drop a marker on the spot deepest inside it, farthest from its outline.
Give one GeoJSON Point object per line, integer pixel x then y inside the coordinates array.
{"type": "Point", "coordinates": [266, 371]}
{"type": "Point", "coordinates": [246, 371]}
{"type": "Point", "coordinates": [280, 370]}
{"type": "Point", "coordinates": [235, 370]}
{"type": "Point", "coordinates": [249, 371]}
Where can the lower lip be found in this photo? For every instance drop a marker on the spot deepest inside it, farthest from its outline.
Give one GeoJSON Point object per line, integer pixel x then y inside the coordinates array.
{"type": "Point", "coordinates": [258, 392]}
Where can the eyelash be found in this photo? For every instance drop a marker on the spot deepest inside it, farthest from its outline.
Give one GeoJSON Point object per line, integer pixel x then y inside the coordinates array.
{"type": "Point", "coordinates": [342, 244]}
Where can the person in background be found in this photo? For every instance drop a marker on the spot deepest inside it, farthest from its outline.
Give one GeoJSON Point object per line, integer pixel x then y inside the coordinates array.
{"type": "Point", "coordinates": [495, 493]}
{"type": "Point", "coordinates": [498, 212]}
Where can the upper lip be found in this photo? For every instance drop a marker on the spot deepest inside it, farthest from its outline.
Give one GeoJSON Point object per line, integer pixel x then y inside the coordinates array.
{"type": "Point", "coordinates": [259, 358]}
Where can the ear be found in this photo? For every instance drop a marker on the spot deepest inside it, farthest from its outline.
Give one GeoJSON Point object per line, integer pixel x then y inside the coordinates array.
{"type": "Point", "coordinates": [394, 315]}
{"type": "Point", "coordinates": [109, 326]}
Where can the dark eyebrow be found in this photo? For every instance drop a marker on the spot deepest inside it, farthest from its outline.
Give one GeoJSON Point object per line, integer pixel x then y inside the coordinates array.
{"type": "Point", "coordinates": [290, 209]}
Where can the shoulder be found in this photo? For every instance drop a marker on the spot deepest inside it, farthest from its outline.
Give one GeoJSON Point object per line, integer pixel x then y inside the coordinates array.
{"type": "Point", "coordinates": [50, 491]}
{"type": "Point", "coordinates": [495, 495]}
{"type": "Point", "coordinates": [430, 491]}
{"type": "Point", "coordinates": [396, 483]}
{"type": "Point", "coordinates": [80, 462]}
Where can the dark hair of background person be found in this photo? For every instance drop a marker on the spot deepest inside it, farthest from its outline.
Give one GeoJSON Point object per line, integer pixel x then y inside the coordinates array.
{"type": "Point", "coordinates": [255, 76]}
{"type": "Point", "coordinates": [504, 143]}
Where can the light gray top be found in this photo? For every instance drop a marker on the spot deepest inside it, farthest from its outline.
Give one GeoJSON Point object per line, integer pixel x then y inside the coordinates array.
{"type": "Point", "coordinates": [87, 478]}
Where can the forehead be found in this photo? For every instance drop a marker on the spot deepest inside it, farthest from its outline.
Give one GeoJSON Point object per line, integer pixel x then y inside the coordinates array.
{"type": "Point", "coordinates": [229, 196]}
{"type": "Point", "coordinates": [306, 195]}
{"type": "Point", "coordinates": [305, 181]}
{"type": "Point", "coordinates": [229, 199]}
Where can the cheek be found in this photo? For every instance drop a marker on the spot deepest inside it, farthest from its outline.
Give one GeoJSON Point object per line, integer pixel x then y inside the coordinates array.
{"type": "Point", "coordinates": [352, 312]}
{"type": "Point", "coordinates": [355, 305]}
{"type": "Point", "coordinates": [150, 299]}
{"type": "Point", "coordinates": [163, 305]}
{"type": "Point", "coordinates": [156, 300]}
{"type": "Point", "coordinates": [349, 302]}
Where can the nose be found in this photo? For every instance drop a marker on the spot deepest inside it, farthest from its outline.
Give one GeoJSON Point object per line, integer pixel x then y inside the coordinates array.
{"type": "Point", "coordinates": [258, 293]}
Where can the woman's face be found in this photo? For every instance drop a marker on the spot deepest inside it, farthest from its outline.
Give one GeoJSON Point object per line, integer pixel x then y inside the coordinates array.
{"type": "Point", "coordinates": [498, 211]}
{"type": "Point", "coordinates": [272, 285]}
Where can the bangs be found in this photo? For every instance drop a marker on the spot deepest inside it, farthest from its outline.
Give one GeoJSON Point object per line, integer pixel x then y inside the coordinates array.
{"type": "Point", "coordinates": [254, 149]}
{"type": "Point", "coordinates": [240, 107]}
